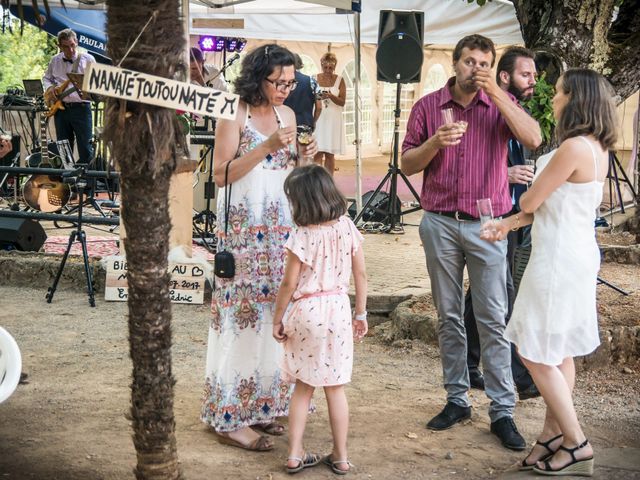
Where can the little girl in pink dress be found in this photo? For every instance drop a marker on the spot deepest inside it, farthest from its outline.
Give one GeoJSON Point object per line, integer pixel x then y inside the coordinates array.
{"type": "Point", "coordinates": [313, 314]}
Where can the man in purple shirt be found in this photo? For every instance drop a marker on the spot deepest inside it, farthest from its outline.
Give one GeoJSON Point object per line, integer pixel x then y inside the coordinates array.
{"type": "Point", "coordinates": [457, 137]}
{"type": "Point", "coordinates": [73, 121]}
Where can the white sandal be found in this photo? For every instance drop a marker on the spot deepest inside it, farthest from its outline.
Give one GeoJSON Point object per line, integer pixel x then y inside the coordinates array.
{"type": "Point", "coordinates": [307, 460]}
{"type": "Point", "coordinates": [333, 465]}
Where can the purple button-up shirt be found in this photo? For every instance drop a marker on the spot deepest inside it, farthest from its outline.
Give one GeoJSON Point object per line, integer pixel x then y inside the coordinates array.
{"type": "Point", "coordinates": [57, 70]}
{"type": "Point", "coordinates": [475, 168]}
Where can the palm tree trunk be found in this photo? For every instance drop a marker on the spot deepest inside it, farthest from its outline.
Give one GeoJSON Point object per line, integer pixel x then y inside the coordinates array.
{"type": "Point", "coordinates": [145, 142]}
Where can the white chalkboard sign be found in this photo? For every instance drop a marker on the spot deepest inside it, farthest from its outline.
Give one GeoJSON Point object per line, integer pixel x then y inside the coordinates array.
{"type": "Point", "coordinates": [162, 92]}
{"type": "Point", "coordinates": [186, 285]}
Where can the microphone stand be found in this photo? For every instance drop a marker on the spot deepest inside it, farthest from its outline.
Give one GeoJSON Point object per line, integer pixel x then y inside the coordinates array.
{"type": "Point", "coordinates": [224, 67]}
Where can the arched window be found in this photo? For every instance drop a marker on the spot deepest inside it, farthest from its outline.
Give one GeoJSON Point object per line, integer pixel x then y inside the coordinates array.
{"type": "Point", "coordinates": [387, 121]}
{"type": "Point", "coordinates": [435, 79]}
{"type": "Point", "coordinates": [348, 114]}
{"type": "Point", "coordinates": [308, 65]}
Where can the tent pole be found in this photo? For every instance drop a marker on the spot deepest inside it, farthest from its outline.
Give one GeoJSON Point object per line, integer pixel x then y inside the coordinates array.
{"type": "Point", "coordinates": [356, 109]}
{"type": "Point", "coordinates": [187, 38]}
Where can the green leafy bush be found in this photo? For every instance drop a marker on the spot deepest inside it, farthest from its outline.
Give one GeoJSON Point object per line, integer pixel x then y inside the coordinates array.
{"type": "Point", "coordinates": [541, 108]}
{"type": "Point", "coordinates": [23, 56]}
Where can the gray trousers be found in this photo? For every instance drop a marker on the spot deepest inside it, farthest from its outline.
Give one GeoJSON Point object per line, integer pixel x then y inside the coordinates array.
{"type": "Point", "coordinates": [449, 244]}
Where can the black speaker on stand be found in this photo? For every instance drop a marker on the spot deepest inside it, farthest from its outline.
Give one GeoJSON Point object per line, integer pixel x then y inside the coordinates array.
{"type": "Point", "coordinates": [399, 60]}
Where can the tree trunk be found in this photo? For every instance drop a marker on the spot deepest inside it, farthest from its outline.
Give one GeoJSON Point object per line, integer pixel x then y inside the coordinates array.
{"type": "Point", "coordinates": [582, 33]}
{"type": "Point", "coordinates": [145, 142]}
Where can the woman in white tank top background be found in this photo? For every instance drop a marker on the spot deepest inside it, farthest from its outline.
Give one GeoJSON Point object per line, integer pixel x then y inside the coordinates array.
{"type": "Point", "coordinates": [554, 317]}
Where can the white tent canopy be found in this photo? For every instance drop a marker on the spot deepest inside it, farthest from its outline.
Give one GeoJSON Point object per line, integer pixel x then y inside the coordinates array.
{"type": "Point", "coordinates": [446, 21]}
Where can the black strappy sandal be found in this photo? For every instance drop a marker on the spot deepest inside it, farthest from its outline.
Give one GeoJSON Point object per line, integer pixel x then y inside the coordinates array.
{"type": "Point", "coordinates": [582, 468]}
{"type": "Point", "coordinates": [524, 466]}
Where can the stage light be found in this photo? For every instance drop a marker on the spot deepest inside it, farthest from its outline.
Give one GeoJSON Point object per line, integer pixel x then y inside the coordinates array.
{"type": "Point", "coordinates": [231, 44]}
{"type": "Point", "coordinates": [240, 44]}
{"type": "Point", "coordinates": [207, 43]}
{"type": "Point", "coordinates": [219, 44]}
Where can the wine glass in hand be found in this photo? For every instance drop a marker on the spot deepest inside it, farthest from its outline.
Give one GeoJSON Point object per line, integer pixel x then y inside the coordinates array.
{"type": "Point", "coordinates": [531, 163]}
{"type": "Point", "coordinates": [305, 137]}
{"type": "Point", "coordinates": [485, 210]}
{"type": "Point", "coordinates": [447, 116]}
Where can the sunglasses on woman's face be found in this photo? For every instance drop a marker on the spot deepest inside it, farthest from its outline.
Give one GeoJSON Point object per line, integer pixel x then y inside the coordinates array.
{"type": "Point", "coordinates": [283, 86]}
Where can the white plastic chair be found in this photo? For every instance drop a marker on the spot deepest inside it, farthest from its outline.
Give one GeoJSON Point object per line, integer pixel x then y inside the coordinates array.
{"type": "Point", "coordinates": [10, 365]}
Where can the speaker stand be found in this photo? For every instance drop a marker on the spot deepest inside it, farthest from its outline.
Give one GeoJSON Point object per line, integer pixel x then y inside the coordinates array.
{"type": "Point", "coordinates": [614, 182]}
{"type": "Point", "coordinates": [79, 235]}
{"type": "Point", "coordinates": [602, 281]}
{"type": "Point", "coordinates": [393, 211]}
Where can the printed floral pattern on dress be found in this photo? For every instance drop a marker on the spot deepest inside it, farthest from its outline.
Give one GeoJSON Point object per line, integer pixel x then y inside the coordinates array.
{"type": "Point", "coordinates": [246, 309]}
{"type": "Point", "coordinates": [243, 386]}
{"type": "Point", "coordinates": [244, 403]}
{"type": "Point", "coordinates": [251, 138]}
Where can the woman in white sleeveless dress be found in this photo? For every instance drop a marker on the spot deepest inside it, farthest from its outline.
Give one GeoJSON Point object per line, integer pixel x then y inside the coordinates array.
{"type": "Point", "coordinates": [244, 389]}
{"type": "Point", "coordinates": [554, 316]}
{"type": "Point", "coordinates": [330, 125]}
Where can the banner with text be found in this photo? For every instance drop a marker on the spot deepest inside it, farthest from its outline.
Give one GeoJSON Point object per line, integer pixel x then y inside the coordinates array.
{"type": "Point", "coordinates": [162, 92]}
{"type": "Point", "coordinates": [186, 285]}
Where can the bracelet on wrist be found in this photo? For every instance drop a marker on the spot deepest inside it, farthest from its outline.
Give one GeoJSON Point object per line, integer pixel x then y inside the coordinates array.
{"type": "Point", "coordinates": [361, 317]}
{"type": "Point", "coordinates": [517, 224]}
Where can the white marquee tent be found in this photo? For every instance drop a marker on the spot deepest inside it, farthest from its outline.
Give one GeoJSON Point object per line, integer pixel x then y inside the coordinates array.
{"type": "Point", "coordinates": [445, 22]}
{"type": "Point", "coordinates": [318, 21]}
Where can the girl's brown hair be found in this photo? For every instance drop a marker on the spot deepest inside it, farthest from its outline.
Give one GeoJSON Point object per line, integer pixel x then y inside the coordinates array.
{"type": "Point", "coordinates": [590, 109]}
{"type": "Point", "coordinates": [314, 196]}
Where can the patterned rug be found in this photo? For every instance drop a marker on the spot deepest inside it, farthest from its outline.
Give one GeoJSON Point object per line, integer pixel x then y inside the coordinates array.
{"type": "Point", "coordinates": [99, 247]}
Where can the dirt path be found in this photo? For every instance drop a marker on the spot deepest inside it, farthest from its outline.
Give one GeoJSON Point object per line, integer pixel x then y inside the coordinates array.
{"type": "Point", "coordinates": [69, 421]}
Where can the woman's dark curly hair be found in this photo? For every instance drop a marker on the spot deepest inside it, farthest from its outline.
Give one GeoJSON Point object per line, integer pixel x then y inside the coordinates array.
{"type": "Point", "coordinates": [257, 65]}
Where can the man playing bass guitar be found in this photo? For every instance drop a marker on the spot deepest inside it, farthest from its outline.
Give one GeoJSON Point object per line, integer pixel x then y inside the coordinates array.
{"type": "Point", "coordinates": [73, 116]}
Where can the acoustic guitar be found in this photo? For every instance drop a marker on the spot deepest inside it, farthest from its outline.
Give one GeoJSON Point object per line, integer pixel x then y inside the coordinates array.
{"type": "Point", "coordinates": [46, 193]}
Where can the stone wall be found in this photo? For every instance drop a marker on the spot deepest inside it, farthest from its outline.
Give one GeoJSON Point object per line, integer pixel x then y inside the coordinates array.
{"type": "Point", "coordinates": [415, 319]}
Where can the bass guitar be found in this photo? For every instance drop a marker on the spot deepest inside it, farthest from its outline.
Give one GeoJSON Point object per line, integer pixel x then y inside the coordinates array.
{"type": "Point", "coordinates": [46, 193]}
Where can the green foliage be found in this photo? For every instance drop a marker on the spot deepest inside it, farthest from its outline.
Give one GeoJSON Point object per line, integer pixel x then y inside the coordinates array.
{"type": "Point", "coordinates": [23, 56]}
{"type": "Point", "coordinates": [186, 121]}
{"type": "Point", "coordinates": [479, 2]}
{"type": "Point", "coordinates": [540, 107]}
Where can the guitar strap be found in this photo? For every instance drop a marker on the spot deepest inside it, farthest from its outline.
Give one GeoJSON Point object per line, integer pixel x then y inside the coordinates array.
{"type": "Point", "coordinates": [76, 64]}
{"type": "Point", "coordinates": [74, 69]}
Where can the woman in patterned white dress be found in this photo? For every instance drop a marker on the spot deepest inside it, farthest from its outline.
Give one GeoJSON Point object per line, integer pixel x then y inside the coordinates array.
{"type": "Point", "coordinates": [317, 329]}
{"type": "Point", "coordinates": [554, 315]}
{"type": "Point", "coordinates": [244, 387]}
